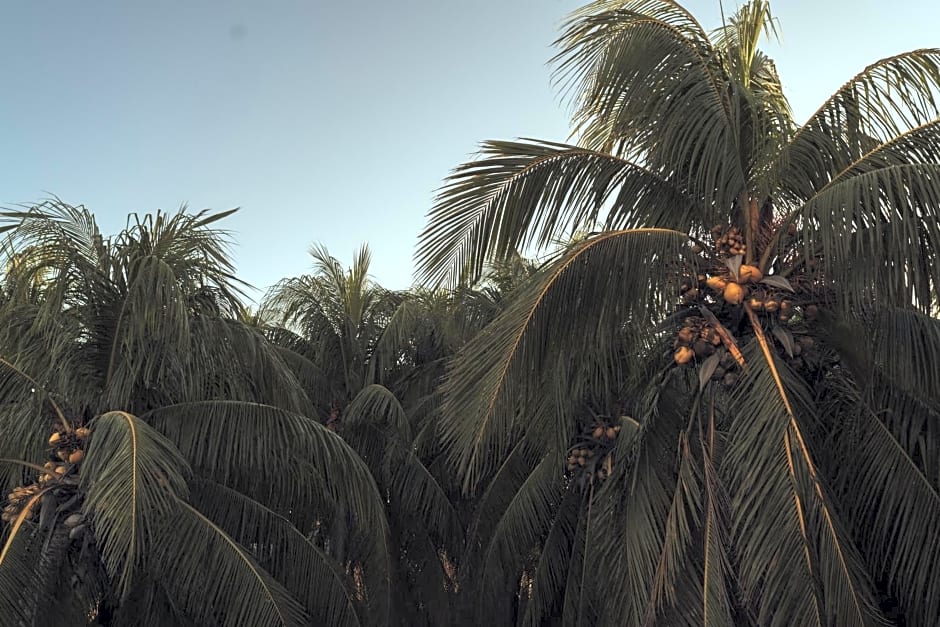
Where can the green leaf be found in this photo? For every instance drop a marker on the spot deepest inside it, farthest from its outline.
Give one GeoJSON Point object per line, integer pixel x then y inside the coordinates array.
{"type": "Point", "coordinates": [132, 477]}
{"type": "Point", "coordinates": [290, 557]}
{"type": "Point", "coordinates": [216, 581]}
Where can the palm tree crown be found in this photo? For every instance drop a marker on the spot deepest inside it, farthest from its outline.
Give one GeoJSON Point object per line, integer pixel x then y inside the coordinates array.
{"type": "Point", "coordinates": [763, 467]}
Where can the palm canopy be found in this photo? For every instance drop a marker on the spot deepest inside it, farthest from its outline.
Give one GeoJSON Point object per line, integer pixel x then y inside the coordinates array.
{"type": "Point", "coordinates": [780, 473]}
{"type": "Point", "coordinates": [372, 360]}
{"type": "Point", "coordinates": [187, 472]}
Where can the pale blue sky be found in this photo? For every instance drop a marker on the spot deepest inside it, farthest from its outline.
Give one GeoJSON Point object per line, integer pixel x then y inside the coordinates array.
{"type": "Point", "coordinates": [327, 121]}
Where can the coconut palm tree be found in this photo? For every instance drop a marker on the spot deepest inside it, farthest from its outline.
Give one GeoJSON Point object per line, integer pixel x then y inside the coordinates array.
{"type": "Point", "coordinates": [185, 474]}
{"type": "Point", "coordinates": [374, 359]}
{"type": "Point", "coordinates": [371, 359]}
{"type": "Point", "coordinates": [754, 313]}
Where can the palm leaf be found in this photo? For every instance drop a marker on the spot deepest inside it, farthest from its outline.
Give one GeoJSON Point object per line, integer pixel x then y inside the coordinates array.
{"type": "Point", "coordinates": [290, 557]}
{"type": "Point", "coordinates": [216, 581]}
{"type": "Point", "coordinates": [886, 217]}
{"type": "Point", "coordinates": [634, 69]}
{"type": "Point", "coordinates": [535, 193]}
{"type": "Point", "coordinates": [880, 103]}
{"type": "Point", "coordinates": [132, 476]}
{"type": "Point", "coordinates": [497, 370]}
{"type": "Point", "coordinates": [19, 576]}
{"type": "Point", "coordinates": [285, 461]}
{"type": "Point", "coordinates": [553, 569]}
{"type": "Point", "coordinates": [775, 477]}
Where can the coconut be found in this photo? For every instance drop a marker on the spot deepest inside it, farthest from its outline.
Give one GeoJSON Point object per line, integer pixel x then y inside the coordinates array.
{"type": "Point", "coordinates": [750, 273]}
{"type": "Point", "coordinates": [686, 335]}
{"type": "Point", "coordinates": [611, 433]}
{"type": "Point", "coordinates": [770, 305]}
{"type": "Point", "coordinates": [734, 294]}
{"type": "Point", "coordinates": [82, 432]}
{"type": "Point", "coordinates": [717, 283]}
{"type": "Point", "coordinates": [683, 355]}
{"type": "Point", "coordinates": [702, 348]}
{"type": "Point", "coordinates": [55, 437]}
{"type": "Point", "coordinates": [77, 456]}
{"type": "Point", "coordinates": [598, 432]}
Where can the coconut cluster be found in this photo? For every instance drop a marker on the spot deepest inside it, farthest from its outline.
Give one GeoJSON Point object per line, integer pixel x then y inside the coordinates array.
{"type": "Point", "coordinates": [696, 338]}
{"type": "Point", "coordinates": [590, 457]}
{"type": "Point", "coordinates": [728, 241]}
{"type": "Point", "coordinates": [728, 286]}
{"type": "Point", "coordinates": [54, 496]}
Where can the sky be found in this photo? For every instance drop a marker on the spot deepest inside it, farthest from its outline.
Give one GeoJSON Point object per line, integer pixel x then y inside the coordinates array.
{"type": "Point", "coordinates": [325, 121]}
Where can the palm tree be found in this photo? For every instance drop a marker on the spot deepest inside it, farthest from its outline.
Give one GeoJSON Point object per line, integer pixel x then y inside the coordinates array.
{"type": "Point", "coordinates": [372, 359]}
{"type": "Point", "coordinates": [187, 475]}
{"type": "Point", "coordinates": [375, 359]}
{"type": "Point", "coordinates": [754, 314]}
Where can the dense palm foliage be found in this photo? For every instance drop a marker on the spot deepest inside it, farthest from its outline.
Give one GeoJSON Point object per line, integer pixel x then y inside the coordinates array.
{"type": "Point", "coordinates": [713, 402]}
{"type": "Point", "coordinates": [719, 407]}
{"type": "Point", "coordinates": [203, 471]}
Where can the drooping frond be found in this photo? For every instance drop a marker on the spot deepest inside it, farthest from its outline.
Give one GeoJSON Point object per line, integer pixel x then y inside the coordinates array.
{"type": "Point", "coordinates": [286, 553]}
{"type": "Point", "coordinates": [893, 503]}
{"type": "Point", "coordinates": [499, 369]}
{"type": "Point", "coordinates": [215, 580]}
{"type": "Point", "coordinates": [880, 103]}
{"type": "Point", "coordinates": [132, 477]}
{"type": "Point", "coordinates": [797, 560]}
{"type": "Point", "coordinates": [377, 426]}
{"type": "Point", "coordinates": [376, 405]}
{"type": "Point", "coordinates": [285, 461]}
{"type": "Point", "coordinates": [878, 234]}
{"type": "Point", "coordinates": [537, 193]}
{"type": "Point", "coordinates": [634, 506]}
{"type": "Point", "coordinates": [150, 333]}
{"type": "Point", "coordinates": [21, 548]}
{"type": "Point", "coordinates": [636, 78]}
{"type": "Point", "coordinates": [553, 569]}
{"type": "Point", "coordinates": [524, 522]}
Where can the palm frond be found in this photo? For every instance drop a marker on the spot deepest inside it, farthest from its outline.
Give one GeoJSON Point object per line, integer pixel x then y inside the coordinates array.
{"type": "Point", "coordinates": [20, 579]}
{"type": "Point", "coordinates": [288, 462]}
{"type": "Point", "coordinates": [289, 556]}
{"type": "Point", "coordinates": [132, 477]}
{"type": "Point", "coordinates": [151, 330]}
{"type": "Point", "coordinates": [553, 568]}
{"type": "Point", "coordinates": [894, 505]}
{"type": "Point", "coordinates": [880, 103]}
{"type": "Point", "coordinates": [636, 77]}
{"type": "Point", "coordinates": [796, 558]}
{"type": "Point", "coordinates": [217, 581]}
{"type": "Point", "coordinates": [888, 218]}
{"type": "Point", "coordinates": [376, 405]}
{"type": "Point", "coordinates": [523, 524]}
{"type": "Point", "coordinates": [496, 371]}
{"type": "Point", "coordinates": [634, 506]}
{"type": "Point", "coordinates": [534, 193]}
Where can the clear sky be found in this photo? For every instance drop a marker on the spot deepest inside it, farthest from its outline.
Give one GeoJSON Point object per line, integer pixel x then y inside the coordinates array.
{"type": "Point", "coordinates": [327, 121]}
